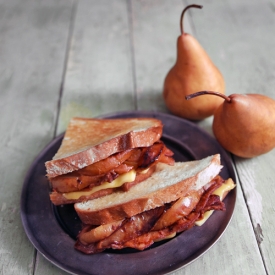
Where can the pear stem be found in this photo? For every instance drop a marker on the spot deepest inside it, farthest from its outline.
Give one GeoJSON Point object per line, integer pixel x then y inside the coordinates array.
{"type": "Point", "coordinates": [182, 14]}
{"type": "Point", "coordinates": [228, 99]}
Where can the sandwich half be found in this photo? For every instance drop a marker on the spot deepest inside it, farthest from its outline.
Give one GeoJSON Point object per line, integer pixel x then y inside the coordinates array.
{"type": "Point", "coordinates": [173, 199]}
{"type": "Point", "coordinates": [100, 156]}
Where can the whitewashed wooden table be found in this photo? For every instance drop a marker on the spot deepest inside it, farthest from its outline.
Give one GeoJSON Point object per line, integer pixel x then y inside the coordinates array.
{"type": "Point", "coordinates": [65, 58]}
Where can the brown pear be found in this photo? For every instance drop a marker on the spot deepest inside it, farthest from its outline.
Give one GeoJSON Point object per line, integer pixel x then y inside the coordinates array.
{"type": "Point", "coordinates": [244, 124]}
{"type": "Point", "coordinates": [193, 71]}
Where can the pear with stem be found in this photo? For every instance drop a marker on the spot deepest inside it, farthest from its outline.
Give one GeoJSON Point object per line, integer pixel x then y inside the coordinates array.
{"type": "Point", "coordinates": [193, 71]}
{"type": "Point", "coordinates": [244, 124]}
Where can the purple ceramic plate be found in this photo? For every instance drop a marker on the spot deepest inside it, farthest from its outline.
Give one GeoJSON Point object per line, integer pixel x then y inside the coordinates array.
{"type": "Point", "coordinates": [52, 230]}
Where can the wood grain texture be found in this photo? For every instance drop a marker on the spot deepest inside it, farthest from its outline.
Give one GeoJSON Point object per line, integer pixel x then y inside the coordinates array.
{"type": "Point", "coordinates": [241, 44]}
{"type": "Point", "coordinates": [44, 267]}
{"type": "Point", "coordinates": [236, 252]}
{"type": "Point", "coordinates": [99, 75]}
{"type": "Point", "coordinates": [33, 37]}
{"type": "Point", "coordinates": [257, 176]}
{"type": "Point", "coordinates": [156, 26]}
{"type": "Point", "coordinates": [108, 56]}
{"type": "Point", "coordinates": [162, 52]}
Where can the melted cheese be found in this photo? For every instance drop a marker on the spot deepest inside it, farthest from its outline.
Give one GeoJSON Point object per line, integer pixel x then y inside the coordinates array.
{"type": "Point", "coordinates": [119, 181]}
{"type": "Point", "coordinates": [172, 235]}
{"type": "Point", "coordinates": [144, 171]}
{"type": "Point", "coordinates": [221, 191]}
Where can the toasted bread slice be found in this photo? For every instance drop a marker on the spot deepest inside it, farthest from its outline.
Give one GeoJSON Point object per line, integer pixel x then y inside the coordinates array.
{"type": "Point", "coordinates": [88, 140]}
{"type": "Point", "coordinates": [167, 184]}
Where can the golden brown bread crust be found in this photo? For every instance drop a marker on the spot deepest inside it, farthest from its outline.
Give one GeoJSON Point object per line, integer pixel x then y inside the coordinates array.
{"type": "Point", "coordinates": [89, 140]}
{"type": "Point", "coordinates": [133, 207]}
{"type": "Point", "coordinates": [58, 198]}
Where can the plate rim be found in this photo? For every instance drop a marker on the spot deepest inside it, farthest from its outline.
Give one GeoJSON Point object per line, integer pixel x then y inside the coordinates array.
{"type": "Point", "coordinates": [55, 140]}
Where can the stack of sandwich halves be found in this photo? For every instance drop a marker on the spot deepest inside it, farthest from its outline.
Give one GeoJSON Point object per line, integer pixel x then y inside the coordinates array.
{"type": "Point", "coordinates": [126, 187]}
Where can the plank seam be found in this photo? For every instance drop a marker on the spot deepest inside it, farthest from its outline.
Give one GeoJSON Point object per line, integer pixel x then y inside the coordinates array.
{"type": "Point", "coordinates": [66, 59]}
{"type": "Point", "coordinates": [34, 261]}
{"type": "Point", "coordinates": [132, 49]}
{"type": "Point", "coordinates": [250, 215]}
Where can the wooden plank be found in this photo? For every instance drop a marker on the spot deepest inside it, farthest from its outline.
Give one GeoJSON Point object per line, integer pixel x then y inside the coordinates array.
{"type": "Point", "coordinates": [99, 76]}
{"type": "Point", "coordinates": [44, 267]}
{"type": "Point", "coordinates": [257, 176]}
{"type": "Point", "coordinates": [156, 26]}
{"type": "Point", "coordinates": [155, 18]}
{"type": "Point", "coordinates": [241, 41]}
{"type": "Point", "coordinates": [33, 36]}
{"type": "Point", "coordinates": [236, 252]}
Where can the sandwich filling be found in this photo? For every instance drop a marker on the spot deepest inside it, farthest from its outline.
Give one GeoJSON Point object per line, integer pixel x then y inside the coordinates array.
{"type": "Point", "coordinates": [142, 230]}
{"type": "Point", "coordinates": [119, 171]}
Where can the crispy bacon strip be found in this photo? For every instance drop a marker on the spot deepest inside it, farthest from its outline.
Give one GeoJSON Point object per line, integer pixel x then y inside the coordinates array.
{"type": "Point", "coordinates": [58, 198]}
{"type": "Point", "coordinates": [136, 233]}
{"type": "Point", "coordinates": [166, 156]}
{"type": "Point", "coordinates": [110, 168]}
{"type": "Point", "coordinates": [179, 209]}
{"type": "Point", "coordinates": [156, 152]}
{"type": "Point", "coordinates": [74, 182]}
{"type": "Point", "coordinates": [130, 228]}
{"type": "Point", "coordinates": [106, 165]}
{"type": "Point", "coordinates": [91, 234]}
{"type": "Point", "coordinates": [134, 227]}
{"type": "Point", "coordinates": [207, 202]}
